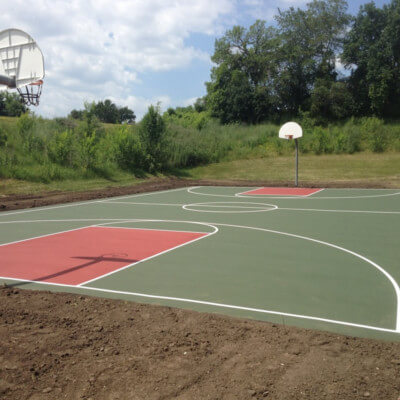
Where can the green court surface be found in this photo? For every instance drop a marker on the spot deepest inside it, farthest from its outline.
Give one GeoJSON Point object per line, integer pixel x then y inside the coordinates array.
{"type": "Point", "coordinates": [326, 261]}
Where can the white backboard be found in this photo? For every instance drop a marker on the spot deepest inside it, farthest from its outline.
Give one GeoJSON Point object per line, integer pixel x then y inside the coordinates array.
{"type": "Point", "coordinates": [290, 130]}
{"type": "Point", "coordinates": [20, 57]}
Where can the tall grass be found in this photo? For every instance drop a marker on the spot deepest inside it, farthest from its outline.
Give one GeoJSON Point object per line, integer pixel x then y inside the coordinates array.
{"type": "Point", "coordinates": [40, 150]}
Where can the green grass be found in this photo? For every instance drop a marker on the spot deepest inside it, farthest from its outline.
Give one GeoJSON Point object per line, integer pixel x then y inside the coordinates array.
{"type": "Point", "coordinates": [360, 169]}
{"type": "Point", "coordinates": [38, 155]}
{"type": "Point", "coordinates": [369, 168]}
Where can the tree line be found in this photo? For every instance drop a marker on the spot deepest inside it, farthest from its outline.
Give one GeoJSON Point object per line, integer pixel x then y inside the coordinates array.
{"type": "Point", "coordinates": [318, 61]}
{"type": "Point", "coordinates": [106, 111]}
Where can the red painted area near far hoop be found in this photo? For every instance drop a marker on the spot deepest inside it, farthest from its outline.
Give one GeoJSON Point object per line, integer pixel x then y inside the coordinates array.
{"type": "Point", "coordinates": [80, 255]}
{"type": "Point", "coordinates": [282, 191]}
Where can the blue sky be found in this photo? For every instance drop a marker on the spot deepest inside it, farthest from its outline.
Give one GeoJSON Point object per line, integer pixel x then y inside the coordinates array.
{"type": "Point", "coordinates": [134, 52]}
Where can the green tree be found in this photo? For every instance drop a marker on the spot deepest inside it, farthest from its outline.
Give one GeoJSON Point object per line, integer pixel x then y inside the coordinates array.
{"type": "Point", "coordinates": [372, 52]}
{"type": "Point", "coordinates": [200, 104]}
{"type": "Point", "coordinates": [242, 78]}
{"type": "Point", "coordinates": [2, 103]}
{"type": "Point", "coordinates": [230, 95]}
{"type": "Point", "coordinates": [152, 133]}
{"type": "Point", "coordinates": [11, 105]}
{"type": "Point", "coordinates": [311, 39]}
{"type": "Point", "coordinates": [330, 101]}
{"type": "Point", "coordinates": [76, 114]}
{"type": "Point", "coordinates": [107, 111]}
{"type": "Point", "coordinates": [126, 115]}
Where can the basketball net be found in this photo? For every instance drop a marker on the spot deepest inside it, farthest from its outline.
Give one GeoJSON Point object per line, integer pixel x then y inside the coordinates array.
{"type": "Point", "coordinates": [30, 94]}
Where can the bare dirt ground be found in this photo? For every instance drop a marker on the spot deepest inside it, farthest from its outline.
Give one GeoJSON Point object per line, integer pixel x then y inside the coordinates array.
{"type": "Point", "coordinates": [65, 346]}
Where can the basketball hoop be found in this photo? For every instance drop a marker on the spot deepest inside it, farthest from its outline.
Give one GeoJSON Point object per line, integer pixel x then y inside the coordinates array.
{"type": "Point", "coordinates": [30, 94]}
{"type": "Point", "coordinates": [21, 65]}
{"type": "Point", "coordinates": [290, 131]}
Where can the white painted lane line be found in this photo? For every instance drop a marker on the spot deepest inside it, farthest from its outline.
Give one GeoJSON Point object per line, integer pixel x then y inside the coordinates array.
{"type": "Point", "coordinates": [312, 194]}
{"type": "Point", "coordinates": [154, 255]}
{"type": "Point", "coordinates": [243, 193]}
{"type": "Point", "coordinates": [145, 229]}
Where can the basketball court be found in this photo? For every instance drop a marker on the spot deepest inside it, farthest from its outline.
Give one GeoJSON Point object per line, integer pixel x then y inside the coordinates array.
{"type": "Point", "coordinates": [311, 257]}
{"type": "Point", "coordinates": [316, 258]}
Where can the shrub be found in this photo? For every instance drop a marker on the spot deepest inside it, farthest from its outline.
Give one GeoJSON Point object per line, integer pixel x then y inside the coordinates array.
{"type": "Point", "coordinates": [129, 152]}
{"type": "Point", "coordinates": [25, 124]}
{"type": "Point", "coordinates": [152, 134]}
{"type": "Point", "coordinates": [376, 134]}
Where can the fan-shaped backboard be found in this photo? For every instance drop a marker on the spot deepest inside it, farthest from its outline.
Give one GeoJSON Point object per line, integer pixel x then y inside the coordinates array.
{"type": "Point", "coordinates": [20, 57]}
{"type": "Point", "coordinates": [290, 130]}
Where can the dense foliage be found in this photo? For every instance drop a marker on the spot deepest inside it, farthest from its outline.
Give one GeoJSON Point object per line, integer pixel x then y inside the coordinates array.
{"type": "Point", "coordinates": [372, 50]}
{"type": "Point", "coordinates": [11, 105]}
{"type": "Point", "coordinates": [36, 149]}
{"type": "Point", "coordinates": [276, 72]}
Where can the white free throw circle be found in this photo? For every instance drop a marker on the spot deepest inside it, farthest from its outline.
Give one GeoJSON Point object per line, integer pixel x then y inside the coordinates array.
{"type": "Point", "coordinates": [231, 207]}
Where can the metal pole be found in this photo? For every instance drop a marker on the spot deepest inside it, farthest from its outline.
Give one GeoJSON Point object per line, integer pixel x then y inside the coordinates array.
{"type": "Point", "coordinates": [297, 163]}
{"type": "Point", "coordinates": [8, 81]}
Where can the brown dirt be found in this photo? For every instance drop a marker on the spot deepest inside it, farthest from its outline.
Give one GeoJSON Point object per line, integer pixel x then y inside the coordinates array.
{"type": "Point", "coordinates": [56, 346]}
{"type": "Point", "coordinates": [13, 202]}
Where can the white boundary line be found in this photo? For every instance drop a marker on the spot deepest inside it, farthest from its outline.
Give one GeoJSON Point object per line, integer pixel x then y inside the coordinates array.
{"type": "Point", "coordinates": [82, 203]}
{"type": "Point", "coordinates": [209, 303]}
{"type": "Point", "coordinates": [128, 196]}
{"type": "Point", "coordinates": [48, 234]}
{"type": "Point", "coordinates": [63, 220]}
{"type": "Point", "coordinates": [144, 204]}
{"type": "Point", "coordinates": [340, 211]}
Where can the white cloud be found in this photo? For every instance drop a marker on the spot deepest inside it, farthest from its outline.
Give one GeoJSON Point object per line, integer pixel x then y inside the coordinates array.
{"type": "Point", "coordinates": [99, 48]}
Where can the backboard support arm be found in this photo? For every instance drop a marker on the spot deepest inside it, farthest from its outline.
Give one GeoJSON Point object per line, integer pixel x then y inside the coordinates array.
{"type": "Point", "coordinates": [8, 81]}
